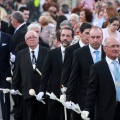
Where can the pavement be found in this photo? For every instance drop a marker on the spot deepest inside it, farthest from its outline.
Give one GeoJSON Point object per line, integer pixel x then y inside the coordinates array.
{"type": "Point", "coordinates": [11, 117]}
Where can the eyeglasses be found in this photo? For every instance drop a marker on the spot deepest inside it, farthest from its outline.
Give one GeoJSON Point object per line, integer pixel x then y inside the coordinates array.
{"type": "Point", "coordinates": [113, 46]}
{"type": "Point", "coordinates": [32, 37]}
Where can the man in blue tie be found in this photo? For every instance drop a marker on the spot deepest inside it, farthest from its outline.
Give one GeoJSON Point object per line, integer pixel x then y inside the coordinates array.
{"type": "Point", "coordinates": [104, 85]}
{"type": "Point", "coordinates": [83, 58]}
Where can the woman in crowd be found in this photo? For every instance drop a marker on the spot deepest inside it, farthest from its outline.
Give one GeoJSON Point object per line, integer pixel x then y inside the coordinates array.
{"type": "Point", "coordinates": [98, 20]}
{"type": "Point", "coordinates": [112, 29]}
{"type": "Point", "coordinates": [86, 16]}
{"type": "Point", "coordinates": [108, 13]}
{"type": "Point", "coordinates": [46, 28]}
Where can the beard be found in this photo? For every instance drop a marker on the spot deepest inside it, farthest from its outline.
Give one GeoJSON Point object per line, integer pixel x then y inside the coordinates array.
{"type": "Point", "coordinates": [65, 43]}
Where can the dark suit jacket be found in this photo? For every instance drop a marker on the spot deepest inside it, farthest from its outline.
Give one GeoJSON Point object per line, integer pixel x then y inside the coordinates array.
{"type": "Point", "coordinates": [24, 76]}
{"type": "Point", "coordinates": [67, 63]}
{"type": "Point", "coordinates": [4, 26]}
{"type": "Point", "coordinates": [11, 29]}
{"type": "Point", "coordinates": [24, 45]}
{"type": "Point", "coordinates": [6, 46]}
{"type": "Point", "coordinates": [52, 70]}
{"type": "Point", "coordinates": [19, 36]}
{"type": "Point", "coordinates": [101, 91]}
{"type": "Point", "coordinates": [79, 77]}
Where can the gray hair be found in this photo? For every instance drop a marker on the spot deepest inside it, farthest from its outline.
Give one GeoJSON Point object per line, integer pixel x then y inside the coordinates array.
{"type": "Point", "coordinates": [105, 41]}
{"type": "Point", "coordinates": [64, 8]}
{"type": "Point", "coordinates": [75, 16]}
{"type": "Point", "coordinates": [36, 35]}
{"type": "Point", "coordinates": [65, 22]}
{"type": "Point", "coordinates": [34, 25]}
{"type": "Point", "coordinates": [18, 16]}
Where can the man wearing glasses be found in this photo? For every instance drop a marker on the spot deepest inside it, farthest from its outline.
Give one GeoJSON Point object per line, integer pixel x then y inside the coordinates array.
{"type": "Point", "coordinates": [26, 78]}
{"type": "Point", "coordinates": [104, 85]}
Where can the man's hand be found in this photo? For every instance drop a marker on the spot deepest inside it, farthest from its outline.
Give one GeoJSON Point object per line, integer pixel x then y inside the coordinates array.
{"type": "Point", "coordinates": [12, 57]}
{"type": "Point", "coordinates": [84, 115]}
{"type": "Point", "coordinates": [13, 92]}
{"type": "Point", "coordinates": [39, 96]}
{"type": "Point", "coordinates": [63, 89]}
{"type": "Point", "coordinates": [68, 104]}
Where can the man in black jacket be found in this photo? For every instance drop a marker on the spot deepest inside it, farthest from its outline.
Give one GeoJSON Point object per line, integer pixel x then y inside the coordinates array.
{"type": "Point", "coordinates": [30, 79]}
{"type": "Point", "coordinates": [35, 27]}
{"type": "Point", "coordinates": [6, 48]}
{"type": "Point", "coordinates": [83, 58]}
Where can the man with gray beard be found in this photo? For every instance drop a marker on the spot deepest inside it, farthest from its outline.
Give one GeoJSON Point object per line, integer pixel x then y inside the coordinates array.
{"type": "Point", "coordinates": [51, 75]}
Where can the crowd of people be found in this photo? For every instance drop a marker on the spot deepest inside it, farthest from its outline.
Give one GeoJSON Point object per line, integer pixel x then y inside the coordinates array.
{"type": "Point", "coordinates": [46, 47]}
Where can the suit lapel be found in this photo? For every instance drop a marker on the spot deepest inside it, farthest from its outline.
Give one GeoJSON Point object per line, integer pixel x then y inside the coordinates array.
{"type": "Point", "coordinates": [1, 39]}
{"type": "Point", "coordinates": [103, 53]}
{"type": "Point", "coordinates": [40, 58]}
{"type": "Point", "coordinates": [107, 71]}
{"type": "Point", "coordinates": [28, 58]}
{"type": "Point", "coordinates": [88, 55]}
{"type": "Point", "coordinates": [59, 55]}
{"type": "Point", "coordinates": [18, 31]}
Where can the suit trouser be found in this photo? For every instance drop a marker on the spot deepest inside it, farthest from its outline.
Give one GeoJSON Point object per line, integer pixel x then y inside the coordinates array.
{"type": "Point", "coordinates": [53, 110]}
{"type": "Point", "coordinates": [56, 111]}
{"type": "Point", "coordinates": [5, 105]}
{"type": "Point", "coordinates": [117, 111]}
{"type": "Point", "coordinates": [35, 109]}
{"type": "Point", "coordinates": [5, 98]}
{"type": "Point", "coordinates": [18, 101]}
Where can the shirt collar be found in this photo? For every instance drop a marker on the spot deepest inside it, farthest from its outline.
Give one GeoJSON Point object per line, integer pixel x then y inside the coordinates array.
{"type": "Point", "coordinates": [20, 25]}
{"type": "Point", "coordinates": [36, 49]}
{"type": "Point", "coordinates": [92, 49]}
{"type": "Point", "coordinates": [81, 43]}
{"type": "Point", "coordinates": [109, 61]}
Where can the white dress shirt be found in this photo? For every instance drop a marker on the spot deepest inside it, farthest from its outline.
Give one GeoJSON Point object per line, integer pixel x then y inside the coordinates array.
{"type": "Point", "coordinates": [36, 50]}
{"type": "Point", "coordinates": [63, 52]}
{"type": "Point", "coordinates": [93, 53]}
{"type": "Point", "coordinates": [111, 66]}
{"type": "Point", "coordinates": [81, 43]}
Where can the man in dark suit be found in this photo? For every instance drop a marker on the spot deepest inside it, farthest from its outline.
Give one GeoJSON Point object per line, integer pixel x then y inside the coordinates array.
{"type": "Point", "coordinates": [4, 26]}
{"type": "Point", "coordinates": [84, 40]}
{"type": "Point", "coordinates": [20, 26]}
{"type": "Point", "coordinates": [35, 27]}
{"type": "Point", "coordinates": [26, 78]}
{"type": "Point", "coordinates": [6, 47]}
{"type": "Point", "coordinates": [26, 13]}
{"type": "Point", "coordinates": [52, 70]}
{"type": "Point", "coordinates": [104, 85]}
{"type": "Point", "coordinates": [83, 58]}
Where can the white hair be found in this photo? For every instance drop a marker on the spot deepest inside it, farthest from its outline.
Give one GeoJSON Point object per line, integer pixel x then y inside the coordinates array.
{"type": "Point", "coordinates": [34, 25]}
{"type": "Point", "coordinates": [75, 16]}
{"type": "Point", "coordinates": [31, 31]}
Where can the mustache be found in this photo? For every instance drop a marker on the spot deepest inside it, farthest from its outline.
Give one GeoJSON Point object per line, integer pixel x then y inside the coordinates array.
{"type": "Point", "coordinates": [65, 40]}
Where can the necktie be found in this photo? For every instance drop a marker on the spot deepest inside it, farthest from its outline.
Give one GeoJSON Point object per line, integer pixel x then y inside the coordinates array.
{"type": "Point", "coordinates": [97, 58]}
{"type": "Point", "coordinates": [15, 31]}
{"type": "Point", "coordinates": [117, 79]}
{"type": "Point", "coordinates": [33, 58]}
{"type": "Point", "coordinates": [63, 55]}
